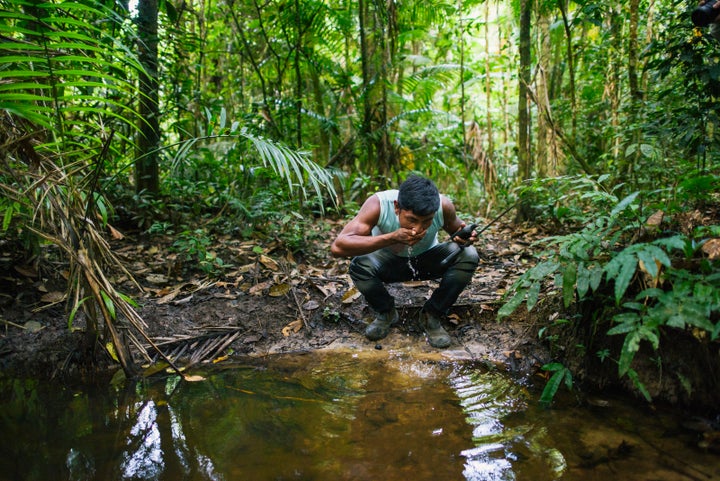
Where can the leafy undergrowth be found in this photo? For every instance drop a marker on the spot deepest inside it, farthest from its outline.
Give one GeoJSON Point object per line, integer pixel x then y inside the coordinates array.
{"type": "Point", "coordinates": [646, 301]}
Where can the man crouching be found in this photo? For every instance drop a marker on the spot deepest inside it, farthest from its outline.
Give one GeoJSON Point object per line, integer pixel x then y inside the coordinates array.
{"type": "Point", "coordinates": [393, 238]}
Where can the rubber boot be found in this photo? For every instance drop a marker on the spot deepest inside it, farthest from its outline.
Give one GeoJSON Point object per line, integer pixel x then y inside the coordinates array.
{"type": "Point", "coordinates": [380, 327]}
{"type": "Point", "coordinates": [437, 336]}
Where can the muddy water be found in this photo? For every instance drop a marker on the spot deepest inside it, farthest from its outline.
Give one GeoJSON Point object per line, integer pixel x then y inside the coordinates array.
{"type": "Point", "coordinates": [343, 416]}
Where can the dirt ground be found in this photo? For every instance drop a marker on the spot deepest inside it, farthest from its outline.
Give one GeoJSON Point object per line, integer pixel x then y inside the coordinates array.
{"type": "Point", "coordinates": [268, 302]}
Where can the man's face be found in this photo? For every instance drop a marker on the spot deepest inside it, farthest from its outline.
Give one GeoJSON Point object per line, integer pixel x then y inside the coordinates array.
{"type": "Point", "coordinates": [409, 220]}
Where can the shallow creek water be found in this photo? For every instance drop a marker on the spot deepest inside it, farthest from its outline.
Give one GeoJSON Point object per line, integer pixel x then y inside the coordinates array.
{"type": "Point", "coordinates": [385, 416]}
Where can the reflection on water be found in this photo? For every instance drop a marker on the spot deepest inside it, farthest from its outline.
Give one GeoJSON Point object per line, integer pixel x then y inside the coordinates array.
{"type": "Point", "coordinates": [371, 416]}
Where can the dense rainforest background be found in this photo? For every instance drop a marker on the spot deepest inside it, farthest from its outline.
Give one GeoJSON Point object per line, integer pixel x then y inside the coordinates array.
{"type": "Point", "coordinates": [191, 119]}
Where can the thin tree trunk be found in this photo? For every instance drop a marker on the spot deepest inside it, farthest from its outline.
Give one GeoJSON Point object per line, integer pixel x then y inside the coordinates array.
{"type": "Point", "coordinates": [490, 148]}
{"type": "Point", "coordinates": [524, 159]}
{"type": "Point", "coordinates": [298, 77]}
{"type": "Point", "coordinates": [571, 65]}
{"type": "Point", "coordinates": [376, 55]}
{"type": "Point", "coordinates": [545, 158]}
{"type": "Point", "coordinates": [612, 84]}
{"type": "Point", "coordinates": [523, 145]}
{"type": "Point", "coordinates": [146, 164]}
{"type": "Point", "coordinates": [365, 59]}
{"type": "Point", "coordinates": [463, 120]}
{"type": "Point", "coordinates": [636, 94]}
{"type": "Point", "coordinates": [507, 132]}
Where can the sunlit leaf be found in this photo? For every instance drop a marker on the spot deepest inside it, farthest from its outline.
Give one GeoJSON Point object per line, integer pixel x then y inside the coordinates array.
{"type": "Point", "coordinates": [350, 295]}
{"type": "Point", "coordinates": [269, 263]}
{"type": "Point", "coordinates": [292, 327]}
{"type": "Point", "coordinates": [111, 350]}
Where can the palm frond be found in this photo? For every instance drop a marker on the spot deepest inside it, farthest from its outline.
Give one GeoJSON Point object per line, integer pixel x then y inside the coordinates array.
{"type": "Point", "coordinates": [62, 98]}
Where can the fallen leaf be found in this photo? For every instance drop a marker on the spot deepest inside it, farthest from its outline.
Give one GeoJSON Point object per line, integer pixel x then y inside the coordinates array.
{"type": "Point", "coordinates": [184, 300]}
{"type": "Point", "coordinates": [454, 319]}
{"type": "Point", "coordinates": [513, 354]}
{"type": "Point", "coordinates": [33, 326]}
{"type": "Point", "coordinates": [53, 297]}
{"type": "Point", "coordinates": [350, 295]}
{"type": "Point", "coordinates": [655, 220]}
{"type": "Point", "coordinates": [311, 305]}
{"type": "Point", "coordinates": [156, 279]}
{"type": "Point", "coordinates": [27, 271]}
{"type": "Point", "coordinates": [115, 234]}
{"type": "Point", "coordinates": [226, 295]}
{"type": "Point", "coordinates": [278, 290]}
{"type": "Point", "coordinates": [269, 263]}
{"type": "Point", "coordinates": [699, 334]}
{"type": "Point", "coordinates": [712, 248]}
{"type": "Point", "coordinates": [168, 297]}
{"type": "Point", "coordinates": [193, 378]}
{"type": "Point", "coordinates": [290, 258]}
{"type": "Point", "coordinates": [246, 268]}
{"type": "Point", "coordinates": [111, 350]}
{"type": "Point", "coordinates": [154, 368]}
{"type": "Point", "coordinates": [257, 289]}
{"type": "Point", "coordinates": [652, 281]}
{"type": "Point", "coordinates": [294, 326]}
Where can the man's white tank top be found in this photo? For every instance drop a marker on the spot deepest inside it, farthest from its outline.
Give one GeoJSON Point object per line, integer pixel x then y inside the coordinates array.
{"type": "Point", "coordinates": [389, 222]}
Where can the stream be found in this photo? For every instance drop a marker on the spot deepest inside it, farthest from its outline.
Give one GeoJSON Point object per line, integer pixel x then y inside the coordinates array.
{"type": "Point", "coordinates": [337, 416]}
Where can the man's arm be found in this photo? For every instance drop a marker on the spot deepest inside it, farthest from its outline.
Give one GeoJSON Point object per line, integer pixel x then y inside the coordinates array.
{"type": "Point", "coordinates": [356, 237]}
{"type": "Point", "coordinates": [452, 222]}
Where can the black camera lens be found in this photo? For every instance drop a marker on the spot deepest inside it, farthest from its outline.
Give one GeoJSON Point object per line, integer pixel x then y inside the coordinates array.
{"type": "Point", "coordinates": [705, 14]}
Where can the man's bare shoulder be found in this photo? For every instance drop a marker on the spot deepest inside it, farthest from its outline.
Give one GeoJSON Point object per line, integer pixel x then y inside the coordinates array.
{"type": "Point", "coordinates": [370, 210]}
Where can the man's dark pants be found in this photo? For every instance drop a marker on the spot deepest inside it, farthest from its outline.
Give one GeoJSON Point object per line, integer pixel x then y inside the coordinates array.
{"type": "Point", "coordinates": [372, 271]}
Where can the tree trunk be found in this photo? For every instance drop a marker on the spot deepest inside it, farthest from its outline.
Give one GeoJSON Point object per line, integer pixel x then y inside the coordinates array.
{"type": "Point", "coordinates": [490, 148]}
{"type": "Point", "coordinates": [146, 163]}
{"type": "Point", "coordinates": [612, 85]}
{"type": "Point", "coordinates": [571, 65]}
{"type": "Point", "coordinates": [523, 145]}
{"type": "Point", "coordinates": [365, 60]}
{"type": "Point", "coordinates": [636, 94]}
{"type": "Point", "coordinates": [524, 159]}
{"type": "Point", "coordinates": [298, 76]}
{"type": "Point", "coordinates": [376, 20]}
{"type": "Point", "coordinates": [545, 152]}
{"type": "Point", "coordinates": [463, 120]}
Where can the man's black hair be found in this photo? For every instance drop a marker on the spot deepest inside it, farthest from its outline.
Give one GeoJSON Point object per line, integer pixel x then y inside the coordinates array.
{"type": "Point", "coordinates": [419, 195]}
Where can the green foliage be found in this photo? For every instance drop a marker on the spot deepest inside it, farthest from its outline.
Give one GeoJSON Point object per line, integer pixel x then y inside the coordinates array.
{"type": "Point", "coordinates": [194, 247]}
{"type": "Point", "coordinates": [560, 375]}
{"type": "Point", "coordinates": [62, 70]}
{"type": "Point", "coordinates": [582, 264]}
{"type": "Point", "coordinates": [567, 201]}
{"type": "Point", "coordinates": [691, 301]}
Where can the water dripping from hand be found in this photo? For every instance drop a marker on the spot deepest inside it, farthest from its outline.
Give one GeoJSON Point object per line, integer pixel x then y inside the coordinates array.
{"type": "Point", "coordinates": [410, 264]}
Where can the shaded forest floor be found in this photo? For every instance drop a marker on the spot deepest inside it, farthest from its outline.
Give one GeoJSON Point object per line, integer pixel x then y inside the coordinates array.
{"type": "Point", "coordinates": [269, 302]}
